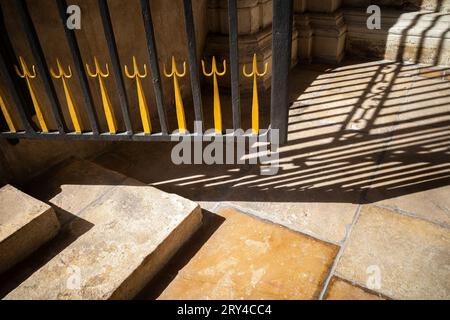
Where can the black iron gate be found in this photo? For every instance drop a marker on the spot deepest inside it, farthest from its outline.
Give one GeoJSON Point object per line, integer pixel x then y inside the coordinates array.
{"type": "Point", "coordinates": [281, 59]}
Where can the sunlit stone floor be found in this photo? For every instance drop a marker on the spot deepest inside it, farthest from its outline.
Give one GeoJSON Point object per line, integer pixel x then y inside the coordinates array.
{"type": "Point", "coordinates": [366, 169]}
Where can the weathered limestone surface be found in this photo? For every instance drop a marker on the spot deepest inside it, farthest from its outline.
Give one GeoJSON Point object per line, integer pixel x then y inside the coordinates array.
{"type": "Point", "coordinates": [412, 256]}
{"type": "Point", "coordinates": [399, 4]}
{"type": "Point", "coordinates": [327, 6]}
{"type": "Point", "coordinates": [246, 258]}
{"type": "Point", "coordinates": [321, 30]}
{"type": "Point", "coordinates": [25, 224]}
{"type": "Point", "coordinates": [73, 185]}
{"type": "Point", "coordinates": [329, 36]}
{"type": "Point", "coordinates": [420, 36]}
{"type": "Point", "coordinates": [252, 16]}
{"type": "Point", "coordinates": [435, 5]}
{"type": "Point", "coordinates": [137, 228]}
{"type": "Point", "coordinates": [305, 37]}
{"type": "Point", "coordinates": [339, 289]}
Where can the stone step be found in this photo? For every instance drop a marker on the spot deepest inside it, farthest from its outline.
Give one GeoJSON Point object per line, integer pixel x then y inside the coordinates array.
{"type": "Point", "coordinates": [436, 5]}
{"type": "Point", "coordinates": [25, 224]}
{"type": "Point", "coordinates": [419, 36]}
{"type": "Point", "coordinates": [122, 233]}
{"type": "Point", "coordinates": [426, 5]}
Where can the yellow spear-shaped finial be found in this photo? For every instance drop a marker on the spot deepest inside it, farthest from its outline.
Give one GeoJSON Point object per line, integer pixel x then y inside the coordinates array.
{"type": "Point", "coordinates": [178, 100]}
{"type": "Point", "coordinates": [73, 110]}
{"type": "Point", "coordinates": [217, 109]}
{"type": "Point", "coordinates": [27, 75]}
{"type": "Point", "coordinates": [107, 107]}
{"type": "Point", "coordinates": [143, 108]}
{"type": "Point", "coordinates": [255, 101]}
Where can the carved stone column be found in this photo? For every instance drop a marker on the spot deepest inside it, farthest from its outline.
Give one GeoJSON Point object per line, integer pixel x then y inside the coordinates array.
{"type": "Point", "coordinates": [255, 36]}
{"type": "Point", "coordinates": [327, 22]}
{"type": "Point", "coordinates": [305, 32]}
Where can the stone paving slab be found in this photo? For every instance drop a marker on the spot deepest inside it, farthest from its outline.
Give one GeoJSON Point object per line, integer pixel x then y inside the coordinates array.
{"type": "Point", "coordinates": [248, 258]}
{"type": "Point", "coordinates": [327, 221]}
{"type": "Point", "coordinates": [414, 178]}
{"type": "Point", "coordinates": [73, 185]}
{"type": "Point", "coordinates": [25, 224]}
{"type": "Point", "coordinates": [137, 229]}
{"type": "Point", "coordinates": [431, 204]}
{"type": "Point", "coordinates": [410, 257]}
{"type": "Point", "coordinates": [339, 289]}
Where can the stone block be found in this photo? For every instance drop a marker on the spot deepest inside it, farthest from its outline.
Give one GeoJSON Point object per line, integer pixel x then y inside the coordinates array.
{"type": "Point", "coordinates": [253, 15]}
{"type": "Point", "coordinates": [398, 256]}
{"type": "Point", "coordinates": [73, 185]}
{"type": "Point", "coordinates": [330, 32]}
{"type": "Point", "coordinates": [356, 3]}
{"type": "Point", "coordinates": [435, 5]}
{"type": "Point", "coordinates": [25, 225]}
{"type": "Point", "coordinates": [299, 6]}
{"type": "Point", "coordinates": [247, 258]}
{"type": "Point", "coordinates": [324, 6]}
{"type": "Point", "coordinates": [305, 37]}
{"type": "Point", "coordinates": [419, 37]}
{"type": "Point", "coordinates": [137, 229]}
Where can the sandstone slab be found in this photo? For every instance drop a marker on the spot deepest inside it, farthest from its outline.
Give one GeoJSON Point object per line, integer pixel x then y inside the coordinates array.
{"type": "Point", "coordinates": [136, 230]}
{"type": "Point", "coordinates": [73, 185]}
{"type": "Point", "coordinates": [340, 289]}
{"type": "Point", "coordinates": [247, 258]}
{"type": "Point", "coordinates": [413, 176]}
{"type": "Point", "coordinates": [409, 258]}
{"type": "Point", "coordinates": [25, 224]}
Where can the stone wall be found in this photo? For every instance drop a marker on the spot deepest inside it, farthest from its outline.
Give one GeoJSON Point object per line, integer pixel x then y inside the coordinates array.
{"type": "Point", "coordinates": [419, 36]}
{"type": "Point", "coordinates": [322, 30]}
{"type": "Point", "coordinates": [255, 37]}
{"type": "Point", "coordinates": [430, 5]}
{"type": "Point", "coordinates": [399, 4]}
{"type": "Point", "coordinates": [411, 30]}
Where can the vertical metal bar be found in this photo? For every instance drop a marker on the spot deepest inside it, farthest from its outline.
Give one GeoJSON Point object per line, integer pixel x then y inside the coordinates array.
{"type": "Point", "coordinates": [281, 62]}
{"type": "Point", "coordinates": [234, 63]}
{"type": "Point", "coordinates": [41, 63]}
{"type": "Point", "coordinates": [193, 65]}
{"type": "Point", "coordinates": [109, 35]}
{"type": "Point", "coordinates": [76, 56]}
{"type": "Point", "coordinates": [18, 102]}
{"type": "Point", "coordinates": [156, 75]}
